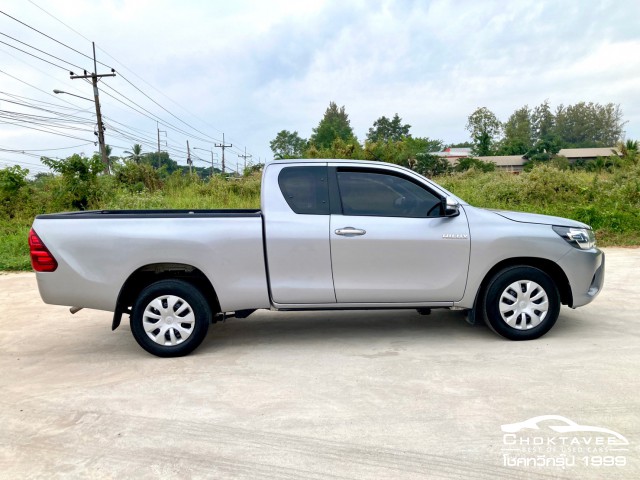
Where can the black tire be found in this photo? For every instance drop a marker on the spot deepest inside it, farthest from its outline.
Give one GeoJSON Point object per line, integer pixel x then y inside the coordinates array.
{"type": "Point", "coordinates": [532, 316]}
{"type": "Point", "coordinates": [172, 337]}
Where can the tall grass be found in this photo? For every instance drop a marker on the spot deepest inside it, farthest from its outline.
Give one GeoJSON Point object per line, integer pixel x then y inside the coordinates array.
{"type": "Point", "coordinates": [609, 202]}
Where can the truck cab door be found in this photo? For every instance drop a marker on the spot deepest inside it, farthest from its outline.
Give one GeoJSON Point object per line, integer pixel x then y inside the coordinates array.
{"type": "Point", "coordinates": [391, 241]}
{"type": "Point", "coordinates": [296, 225]}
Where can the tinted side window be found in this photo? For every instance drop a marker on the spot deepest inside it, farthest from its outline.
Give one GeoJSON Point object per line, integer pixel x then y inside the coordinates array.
{"type": "Point", "coordinates": [305, 189]}
{"type": "Point", "coordinates": [383, 195]}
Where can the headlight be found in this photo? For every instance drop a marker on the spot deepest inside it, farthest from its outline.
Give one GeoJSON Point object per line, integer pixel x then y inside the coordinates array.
{"type": "Point", "coordinates": [582, 238]}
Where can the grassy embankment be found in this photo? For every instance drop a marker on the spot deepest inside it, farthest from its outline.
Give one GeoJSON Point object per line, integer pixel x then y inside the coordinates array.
{"type": "Point", "coordinates": [610, 202]}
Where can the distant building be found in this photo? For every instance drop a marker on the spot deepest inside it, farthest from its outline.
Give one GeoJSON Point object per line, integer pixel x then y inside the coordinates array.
{"type": "Point", "coordinates": [508, 163]}
{"type": "Point", "coordinates": [574, 154]}
{"type": "Point", "coordinates": [515, 163]}
{"type": "Point", "coordinates": [453, 154]}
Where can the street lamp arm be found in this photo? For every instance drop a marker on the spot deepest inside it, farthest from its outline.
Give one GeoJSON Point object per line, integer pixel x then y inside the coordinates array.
{"type": "Point", "coordinates": [56, 91]}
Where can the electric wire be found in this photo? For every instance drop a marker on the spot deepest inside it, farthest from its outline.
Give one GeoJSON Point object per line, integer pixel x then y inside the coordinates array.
{"type": "Point", "coordinates": [140, 78]}
{"type": "Point", "coordinates": [41, 51]}
{"type": "Point", "coordinates": [39, 89]}
{"type": "Point", "coordinates": [48, 131]}
{"type": "Point", "coordinates": [48, 36]}
{"type": "Point", "coordinates": [153, 116]}
{"type": "Point", "coordinates": [35, 56]}
{"type": "Point", "coordinates": [21, 97]}
{"type": "Point", "coordinates": [56, 79]}
{"type": "Point", "coordinates": [62, 115]}
{"type": "Point", "coordinates": [23, 150]}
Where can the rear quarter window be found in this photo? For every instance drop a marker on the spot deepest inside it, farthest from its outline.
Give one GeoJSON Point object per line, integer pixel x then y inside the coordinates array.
{"type": "Point", "coordinates": [305, 189]}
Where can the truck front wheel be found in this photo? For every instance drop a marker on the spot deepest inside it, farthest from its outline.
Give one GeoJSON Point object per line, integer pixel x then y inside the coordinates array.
{"type": "Point", "coordinates": [170, 318]}
{"type": "Point", "coordinates": [521, 303]}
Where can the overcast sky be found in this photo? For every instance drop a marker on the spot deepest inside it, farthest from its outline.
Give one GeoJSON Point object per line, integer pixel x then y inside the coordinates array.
{"type": "Point", "coordinates": [252, 68]}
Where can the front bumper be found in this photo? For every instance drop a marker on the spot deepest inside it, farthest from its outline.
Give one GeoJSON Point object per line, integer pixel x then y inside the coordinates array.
{"type": "Point", "coordinates": [585, 271]}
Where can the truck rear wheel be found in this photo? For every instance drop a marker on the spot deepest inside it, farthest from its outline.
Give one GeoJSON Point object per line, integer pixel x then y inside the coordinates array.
{"type": "Point", "coordinates": [521, 303]}
{"type": "Point", "coordinates": [170, 318]}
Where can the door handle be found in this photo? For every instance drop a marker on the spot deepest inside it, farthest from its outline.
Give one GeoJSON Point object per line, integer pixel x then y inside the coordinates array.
{"type": "Point", "coordinates": [350, 232]}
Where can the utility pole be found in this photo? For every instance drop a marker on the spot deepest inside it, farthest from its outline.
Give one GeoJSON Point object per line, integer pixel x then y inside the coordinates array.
{"type": "Point", "coordinates": [212, 162]}
{"type": "Point", "coordinates": [165, 133]}
{"type": "Point", "coordinates": [245, 156]}
{"type": "Point", "coordinates": [94, 80]}
{"type": "Point", "coordinates": [189, 162]}
{"type": "Point", "coordinates": [223, 146]}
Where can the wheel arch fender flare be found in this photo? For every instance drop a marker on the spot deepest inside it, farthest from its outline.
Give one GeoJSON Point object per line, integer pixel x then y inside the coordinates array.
{"type": "Point", "coordinates": [552, 269]}
{"type": "Point", "coordinates": [148, 274]}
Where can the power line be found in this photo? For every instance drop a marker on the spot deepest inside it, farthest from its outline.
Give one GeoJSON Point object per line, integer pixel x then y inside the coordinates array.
{"type": "Point", "coordinates": [57, 79]}
{"type": "Point", "coordinates": [10, 163]}
{"type": "Point", "coordinates": [23, 150]}
{"type": "Point", "coordinates": [152, 115]}
{"type": "Point", "coordinates": [207, 138]}
{"type": "Point", "coordinates": [33, 86]}
{"type": "Point", "coordinates": [48, 131]}
{"type": "Point", "coordinates": [21, 97]}
{"type": "Point", "coordinates": [143, 80]}
{"type": "Point", "coordinates": [63, 116]}
{"type": "Point", "coordinates": [41, 51]}
{"type": "Point", "coordinates": [35, 56]}
{"type": "Point", "coordinates": [174, 116]}
{"type": "Point", "coordinates": [48, 36]}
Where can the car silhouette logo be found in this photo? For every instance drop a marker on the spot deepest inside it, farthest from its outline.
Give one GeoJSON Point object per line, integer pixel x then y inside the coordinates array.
{"type": "Point", "coordinates": [561, 425]}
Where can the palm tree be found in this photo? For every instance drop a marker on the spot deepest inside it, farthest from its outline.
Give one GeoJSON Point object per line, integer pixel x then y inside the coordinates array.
{"type": "Point", "coordinates": [136, 153]}
{"type": "Point", "coordinates": [628, 150]}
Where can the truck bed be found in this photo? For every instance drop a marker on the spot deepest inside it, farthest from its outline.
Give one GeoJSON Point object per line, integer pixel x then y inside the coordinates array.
{"type": "Point", "coordinates": [96, 257]}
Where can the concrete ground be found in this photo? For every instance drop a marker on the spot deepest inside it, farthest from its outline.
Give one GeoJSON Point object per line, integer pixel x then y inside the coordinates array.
{"type": "Point", "coordinates": [345, 395]}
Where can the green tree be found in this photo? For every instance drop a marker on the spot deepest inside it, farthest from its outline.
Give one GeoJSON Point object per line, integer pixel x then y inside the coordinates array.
{"type": "Point", "coordinates": [629, 151]}
{"type": "Point", "coordinates": [589, 125]}
{"type": "Point", "coordinates": [288, 145]}
{"type": "Point", "coordinates": [430, 165]}
{"type": "Point", "coordinates": [460, 145]}
{"type": "Point", "coordinates": [385, 130]}
{"type": "Point", "coordinates": [601, 164]}
{"type": "Point", "coordinates": [13, 185]}
{"type": "Point", "coordinates": [546, 142]}
{"type": "Point", "coordinates": [135, 154]}
{"type": "Point", "coordinates": [161, 161]}
{"type": "Point", "coordinates": [401, 152]}
{"type": "Point", "coordinates": [485, 130]}
{"type": "Point", "coordinates": [334, 124]}
{"type": "Point", "coordinates": [468, 163]}
{"type": "Point", "coordinates": [517, 133]}
{"type": "Point", "coordinates": [79, 185]}
{"type": "Point", "coordinates": [136, 177]}
{"type": "Point", "coordinates": [340, 148]}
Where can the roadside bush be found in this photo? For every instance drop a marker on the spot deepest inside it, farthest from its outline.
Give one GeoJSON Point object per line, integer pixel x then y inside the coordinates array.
{"type": "Point", "coordinates": [137, 177]}
{"type": "Point", "coordinates": [14, 190]}
{"type": "Point", "coordinates": [77, 184]}
{"type": "Point", "coordinates": [469, 163]}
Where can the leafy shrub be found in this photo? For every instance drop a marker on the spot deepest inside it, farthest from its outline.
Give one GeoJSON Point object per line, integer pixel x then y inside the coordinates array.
{"type": "Point", "coordinates": [13, 189]}
{"type": "Point", "coordinates": [78, 180]}
{"type": "Point", "coordinates": [137, 177]}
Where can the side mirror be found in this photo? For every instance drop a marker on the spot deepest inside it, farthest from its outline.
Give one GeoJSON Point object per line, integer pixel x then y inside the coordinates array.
{"type": "Point", "coordinates": [450, 207]}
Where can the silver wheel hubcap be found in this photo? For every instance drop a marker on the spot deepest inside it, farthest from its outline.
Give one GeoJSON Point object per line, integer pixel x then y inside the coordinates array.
{"type": "Point", "coordinates": [168, 320]}
{"type": "Point", "coordinates": [524, 305]}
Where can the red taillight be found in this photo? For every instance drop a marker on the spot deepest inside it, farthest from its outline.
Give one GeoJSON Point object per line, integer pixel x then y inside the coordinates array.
{"type": "Point", "coordinates": [41, 258]}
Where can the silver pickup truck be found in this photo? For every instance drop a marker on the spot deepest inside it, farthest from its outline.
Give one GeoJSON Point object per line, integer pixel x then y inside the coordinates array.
{"type": "Point", "coordinates": [331, 234]}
